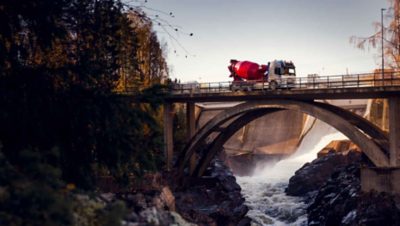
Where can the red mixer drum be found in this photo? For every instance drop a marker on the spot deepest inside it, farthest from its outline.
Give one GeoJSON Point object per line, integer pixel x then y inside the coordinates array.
{"type": "Point", "coordinates": [249, 70]}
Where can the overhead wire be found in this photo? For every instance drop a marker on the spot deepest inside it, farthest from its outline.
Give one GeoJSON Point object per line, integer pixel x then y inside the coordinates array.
{"type": "Point", "coordinates": [164, 24]}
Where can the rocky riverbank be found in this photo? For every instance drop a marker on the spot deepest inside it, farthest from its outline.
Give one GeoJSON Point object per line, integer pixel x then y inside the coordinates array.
{"type": "Point", "coordinates": [213, 199]}
{"type": "Point", "coordinates": [331, 185]}
{"type": "Point", "coordinates": [311, 176]}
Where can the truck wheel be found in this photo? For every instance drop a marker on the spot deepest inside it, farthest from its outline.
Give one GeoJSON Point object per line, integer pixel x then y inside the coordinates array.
{"type": "Point", "coordinates": [273, 85]}
{"type": "Point", "coordinates": [233, 88]}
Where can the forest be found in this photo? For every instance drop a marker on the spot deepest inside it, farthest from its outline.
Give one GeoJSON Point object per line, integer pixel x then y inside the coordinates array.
{"type": "Point", "coordinates": [64, 65]}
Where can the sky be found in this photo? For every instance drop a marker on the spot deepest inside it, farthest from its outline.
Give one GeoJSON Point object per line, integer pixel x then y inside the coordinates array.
{"type": "Point", "coordinates": [314, 34]}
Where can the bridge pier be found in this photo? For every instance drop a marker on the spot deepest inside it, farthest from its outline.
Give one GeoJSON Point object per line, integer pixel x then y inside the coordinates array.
{"type": "Point", "coordinates": [191, 130]}
{"type": "Point", "coordinates": [394, 131]}
{"type": "Point", "coordinates": [386, 179]}
{"type": "Point", "coordinates": [168, 134]}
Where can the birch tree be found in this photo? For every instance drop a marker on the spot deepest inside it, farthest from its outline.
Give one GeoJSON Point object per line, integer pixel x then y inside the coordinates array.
{"type": "Point", "coordinates": [391, 37]}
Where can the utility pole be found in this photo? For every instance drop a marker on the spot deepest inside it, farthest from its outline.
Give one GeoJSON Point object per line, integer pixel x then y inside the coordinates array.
{"type": "Point", "coordinates": [397, 27]}
{"type": "Point", "coordinates": [383, 57]}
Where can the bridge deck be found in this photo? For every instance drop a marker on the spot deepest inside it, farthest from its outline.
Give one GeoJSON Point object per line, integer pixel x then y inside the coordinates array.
{"type": "Point", "coordinates": [301, 94]}
{"type": "Point", "coordinates": [359, 86]}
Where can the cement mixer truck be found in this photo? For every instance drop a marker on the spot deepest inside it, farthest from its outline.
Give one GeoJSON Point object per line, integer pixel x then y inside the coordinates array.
{"type": "Point", "coordinates": [249, 76]}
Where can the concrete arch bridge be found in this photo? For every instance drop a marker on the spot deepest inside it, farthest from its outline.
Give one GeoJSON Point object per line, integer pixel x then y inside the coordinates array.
{"type": "Point", "coordinates": [381, 149]}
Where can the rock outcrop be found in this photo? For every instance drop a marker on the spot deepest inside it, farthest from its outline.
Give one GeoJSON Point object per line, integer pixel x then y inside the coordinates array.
{"type": "Point", "coordinates": [135, 209]}
{"type": "Point", "coordinates": [160, 200]}
{"type": "Point", "coordinates": [313, 175]}
{"type": "Point", "coordinates": [332, 185]}
{"type": "Point", "coordinates": [340, 202]}
{"type": "Point", "coordinates": [336, 199]}
{"type": "Point", "coordinates": [213, 199]}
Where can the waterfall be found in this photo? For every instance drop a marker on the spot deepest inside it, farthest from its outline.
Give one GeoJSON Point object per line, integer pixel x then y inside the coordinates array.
{"type": "Point", "coordinates": [264, 190]}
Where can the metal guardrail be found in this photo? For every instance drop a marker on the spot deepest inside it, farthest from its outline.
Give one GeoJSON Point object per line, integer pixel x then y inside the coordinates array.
{"type": "Point", "coordinates": [300, 83]}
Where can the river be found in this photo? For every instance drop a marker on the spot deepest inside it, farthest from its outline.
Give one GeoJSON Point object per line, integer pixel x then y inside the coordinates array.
{"type": "Point", "coordinates": [264, 191]}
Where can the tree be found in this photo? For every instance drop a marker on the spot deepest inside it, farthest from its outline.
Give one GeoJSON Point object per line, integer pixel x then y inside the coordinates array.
{"type": "Point", "coordinates": [61, 62]}
{"type": "Point", "coordinates": [61, 121]}
{"type": "Point", "coordinates": [391, 35]}
{"type": "Point", "coordinates": [151, 67]}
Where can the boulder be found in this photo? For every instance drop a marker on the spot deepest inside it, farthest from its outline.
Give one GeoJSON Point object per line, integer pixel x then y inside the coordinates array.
{"type": "Point", "coordinates": [214, 199]}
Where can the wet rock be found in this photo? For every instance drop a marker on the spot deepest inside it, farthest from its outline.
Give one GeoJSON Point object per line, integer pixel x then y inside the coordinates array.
{"type": "Point", "coordinates": [157, 203]}
{"type": "Point", "coordinates": [228, 183]}
{"type": "Point", "coordinates": [152, 216]}
{"type": "Point", "coordinates": [150, 181]}
{"type": "Point", "coordinates": [162, 199]}
{"type": "Point", "coordinates": [376, 209]}
{"type": "Point", "coordinates": [214, 199]}
{"type": "Point", "coordinates": [340, 202]}
{"type": "Point", "coordinates": [179, 221]}
{"type": "Point", "coordinates": [137, 201]}
{"type": "Point", "coordinates": [126, 223]}
{"type": "Point", "coordinates": [313, 175]}
{"type": "Point", "coordinates": [241, 210]}
{"type": "Point", "coordinates": [244, 222]}
{"type": "Point", "coordinates": [336, 199]}
{"type": "Point", "coordinates": [107, 197]}
{"type": "Point", "coordinates": [132, 217]}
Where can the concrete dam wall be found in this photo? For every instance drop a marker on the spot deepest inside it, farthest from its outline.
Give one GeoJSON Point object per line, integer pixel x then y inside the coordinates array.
{"type": "Point", "coordinates": [268, 138]}
{"type": "Point", "coordinates": [275, 133]}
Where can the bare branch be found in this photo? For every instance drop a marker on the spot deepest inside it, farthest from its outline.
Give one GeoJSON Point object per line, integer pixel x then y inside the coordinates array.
{"type": "Point", "coordinates": [172, 31]}
{"type": "Point", "coordinates": [390, 35]}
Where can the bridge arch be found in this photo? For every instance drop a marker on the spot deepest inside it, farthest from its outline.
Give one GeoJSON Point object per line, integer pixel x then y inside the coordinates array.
{"type": "Point", "coordinates": [368, 137]}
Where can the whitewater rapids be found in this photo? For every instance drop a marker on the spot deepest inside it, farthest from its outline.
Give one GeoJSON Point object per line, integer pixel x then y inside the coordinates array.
{"type": "Point", "coordinates": [265, 190]}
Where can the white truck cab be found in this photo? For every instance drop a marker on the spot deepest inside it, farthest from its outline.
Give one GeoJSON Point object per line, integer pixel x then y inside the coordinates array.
{"type": "Point", "coordinates": [281, 74]}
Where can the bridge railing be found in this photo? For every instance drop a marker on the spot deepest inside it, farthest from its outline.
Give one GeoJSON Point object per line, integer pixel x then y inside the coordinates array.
{"type": "Point", "coordinates": [311, 82]}
{"type": "Point", "coordinates": [210, 87]}
{"type": "Point", "coordinates": [349, 81]}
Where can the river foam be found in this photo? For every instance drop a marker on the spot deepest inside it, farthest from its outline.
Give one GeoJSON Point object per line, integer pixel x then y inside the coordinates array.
{"type": "Point", "coordinates": [264, 190]}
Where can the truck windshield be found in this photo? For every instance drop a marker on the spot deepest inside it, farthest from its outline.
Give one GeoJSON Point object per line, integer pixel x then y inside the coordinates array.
{"type": "Point", "coordinates": [292, 71]}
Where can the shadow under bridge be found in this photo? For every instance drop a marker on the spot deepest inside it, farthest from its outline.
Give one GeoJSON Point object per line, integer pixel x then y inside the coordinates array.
{"type": "Point", "coordinates": [372, 140]}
